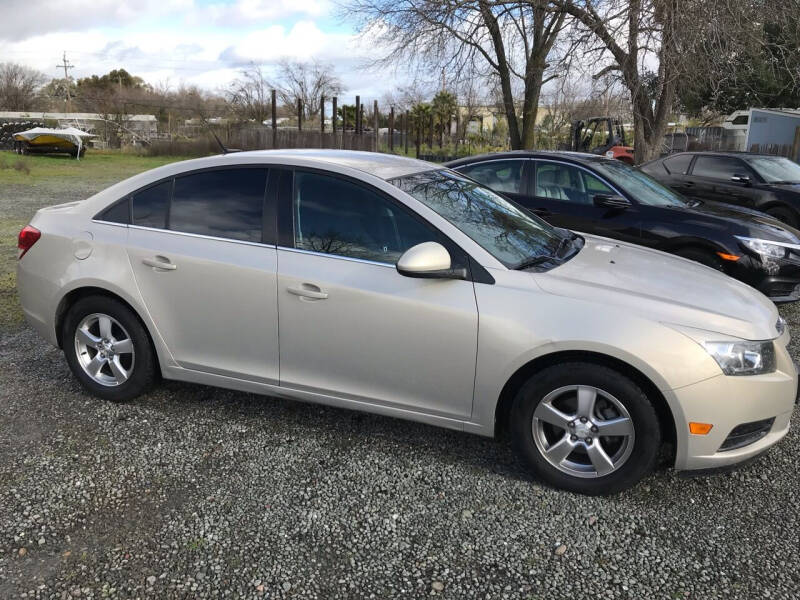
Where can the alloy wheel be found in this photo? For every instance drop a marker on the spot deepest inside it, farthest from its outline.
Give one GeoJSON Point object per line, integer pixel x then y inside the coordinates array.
{"type": "Point", "coordinates": [104, 349]}
{"type": "Point", "coordinates": [583, 431]}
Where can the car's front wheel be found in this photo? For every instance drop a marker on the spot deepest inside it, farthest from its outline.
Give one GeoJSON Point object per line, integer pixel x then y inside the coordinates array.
{"type": "Point", "coordinates": [585, 428]}
{"type": "Point", "coordinates": [108, 349]}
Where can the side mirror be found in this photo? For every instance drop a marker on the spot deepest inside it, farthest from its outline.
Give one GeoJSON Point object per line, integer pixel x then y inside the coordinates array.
{"type": "Point", "coordinates": [741, 179]}
{"type": "Point", "coordinates": [611, 201]}
{"type": "Point", "coordinates": [428, 260]}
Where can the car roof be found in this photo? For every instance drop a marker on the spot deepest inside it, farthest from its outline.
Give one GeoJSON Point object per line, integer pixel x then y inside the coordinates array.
{"type": "Point", "coordinates": [734, 153]}
{"type": "Point", "coordinates": [580, 157]}
{"type": "Point", "coordinates": [385, 166]}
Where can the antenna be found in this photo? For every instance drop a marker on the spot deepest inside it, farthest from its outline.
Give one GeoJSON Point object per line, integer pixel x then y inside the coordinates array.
{"type": "Point", "coordinates": [222, 147]}
{"type": "Point", "coordinates": [219, 141]}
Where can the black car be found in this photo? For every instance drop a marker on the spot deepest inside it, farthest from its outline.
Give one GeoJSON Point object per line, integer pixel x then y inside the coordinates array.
{"type": "Point", "coordinates": [770, 184]}
{"type": "Point", "coordinates": [601, 196]}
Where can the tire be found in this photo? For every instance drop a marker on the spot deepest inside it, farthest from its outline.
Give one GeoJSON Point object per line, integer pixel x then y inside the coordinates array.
{"type": "Point", "coordinates": [538, 440]}
{"type": "Point", "coordinates": [110, 330]}
{"type": "Point", "coordinates": [783, 214]}
{"type": "Point", "coordinates": [704, 257]}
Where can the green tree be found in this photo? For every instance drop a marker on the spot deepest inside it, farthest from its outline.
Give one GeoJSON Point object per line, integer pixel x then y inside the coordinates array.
{"type": "Point", "coordinates": [444, 106]}
{"type": "Point", "coordinates": [347, 114]}
{"type": "Point", "coordinates": [420, 116]}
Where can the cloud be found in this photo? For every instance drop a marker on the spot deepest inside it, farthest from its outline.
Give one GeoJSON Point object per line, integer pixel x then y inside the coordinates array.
{"type": "Point", "coordinates": [248, 12]}
{"type": "Point", "coordinates": [24, 18]}
{"type": "Point", "coordinates": [303, 41]}
{"type": "Point", "coordinates": [153, 39]}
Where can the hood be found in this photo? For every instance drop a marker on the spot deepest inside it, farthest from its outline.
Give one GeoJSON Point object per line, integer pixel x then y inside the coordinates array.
{"type": "Point", "coordinates": [664, 288]}
{"type": "Point", "coordinates": [742, 221]}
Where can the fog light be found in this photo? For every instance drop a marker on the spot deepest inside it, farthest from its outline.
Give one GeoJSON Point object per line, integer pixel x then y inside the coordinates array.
{"type": "Point", "coordinates": [700, 428]}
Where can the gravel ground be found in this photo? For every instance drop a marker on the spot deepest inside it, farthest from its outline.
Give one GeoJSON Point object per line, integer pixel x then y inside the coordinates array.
{"type": "Point", "coordinates": [195, 492]}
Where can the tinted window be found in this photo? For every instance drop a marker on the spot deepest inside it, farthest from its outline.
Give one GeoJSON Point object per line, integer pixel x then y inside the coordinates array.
{"type": "Point", "coordinates": [718, 167]}
{"type": "Point", "coordinates": [500, 175]}
{"type": "Point", "coordinates": [119, 213]}
{"type": "Point", "coordinates": [503, 229]}
{"type": "Point", "coordinates": [775, 169]}
{"type": "Point", "coordinates": [334, 216]}
{"type": "Point", "coordinates": [678, 165]}
{"type": "Point", "coordinates": [565, 182]}
{"type": "Point", "coordinates": [643, 188]}
{"type": "Point", "coordinates": [226, 203]}
{"type": "Point", "coordinates": [150, 205]}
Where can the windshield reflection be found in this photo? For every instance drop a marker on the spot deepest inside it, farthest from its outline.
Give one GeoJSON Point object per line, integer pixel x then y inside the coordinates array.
{"type": "Point", "coordinates": [510, 234]}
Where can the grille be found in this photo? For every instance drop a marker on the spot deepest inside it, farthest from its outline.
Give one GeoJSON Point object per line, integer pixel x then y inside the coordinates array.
{"type": "Point", "coordinates": [747, 433]}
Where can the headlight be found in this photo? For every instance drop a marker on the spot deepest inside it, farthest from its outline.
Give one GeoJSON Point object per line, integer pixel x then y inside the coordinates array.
{"type": "Point", "coordinates": [743, 357]}
{"type": "Point", "coordinates": [763, 248]}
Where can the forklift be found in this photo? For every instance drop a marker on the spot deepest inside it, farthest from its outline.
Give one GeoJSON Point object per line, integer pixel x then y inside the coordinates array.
{"type": "Point", "coordinates": [612, 143]}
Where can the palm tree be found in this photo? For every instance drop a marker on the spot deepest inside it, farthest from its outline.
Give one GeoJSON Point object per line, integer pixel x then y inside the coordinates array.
{"type": "Point", "coordinates": [444, 107]}
{"type": "Point", "coordinates": [420, 118]}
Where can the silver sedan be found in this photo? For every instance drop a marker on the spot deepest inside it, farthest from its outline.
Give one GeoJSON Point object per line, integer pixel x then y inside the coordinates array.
{"type": "Point", "coordinates": [395, 286]}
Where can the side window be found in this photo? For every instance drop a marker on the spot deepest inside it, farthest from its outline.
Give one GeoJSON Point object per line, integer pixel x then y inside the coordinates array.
{"type": "Point", "coordinates": [118, 213]}
{"type": "Point", "coordinates": [678, 165]}
{"type": "Point", "coordinates": [226, 203]}
{"type": "Point", "coordinates": [150, 205]}
{"type": "Point", "coordinates": [334, 216]}
{"type": "Point", "coordinates": [498, 175]}
{"type": "Point", "coordinates": [559, 181]}
{"type": "Point", "coordinates": [594, 186]}
{"type": "Point", "coordinates": [718, 167]}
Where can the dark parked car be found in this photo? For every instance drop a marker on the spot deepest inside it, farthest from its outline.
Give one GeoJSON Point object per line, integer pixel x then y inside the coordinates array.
{"type": "Point", "coordinates": [763, 182]}
{"type": "Point", "coordinates": [606, 197]}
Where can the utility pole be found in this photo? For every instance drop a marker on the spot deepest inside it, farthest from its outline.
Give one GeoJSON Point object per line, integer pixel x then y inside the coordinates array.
{"type": "Point", "coordinates": [66, 66]}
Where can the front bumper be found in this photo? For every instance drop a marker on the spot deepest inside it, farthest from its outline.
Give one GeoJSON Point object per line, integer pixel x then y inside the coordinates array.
{"type": "Point", "coordinates": [728, 402]}
{"type": "Point", "coordinates": [778, 280]}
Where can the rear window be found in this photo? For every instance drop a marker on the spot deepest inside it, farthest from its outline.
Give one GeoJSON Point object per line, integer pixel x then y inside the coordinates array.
{"type": "Point", "coordinates": [226, 203]}
{"type": "Point", "coordinates": [150, 205]}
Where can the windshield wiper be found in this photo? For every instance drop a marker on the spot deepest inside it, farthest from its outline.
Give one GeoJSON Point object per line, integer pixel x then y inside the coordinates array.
{"type": "Point", "coordinates": [533, 261]}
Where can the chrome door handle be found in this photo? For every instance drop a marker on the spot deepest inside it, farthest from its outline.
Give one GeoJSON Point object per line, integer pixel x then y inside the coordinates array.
{"type": "Point", "coordinates": [308, 290]}
{"type": "Point", "coordinates": [159, 264]}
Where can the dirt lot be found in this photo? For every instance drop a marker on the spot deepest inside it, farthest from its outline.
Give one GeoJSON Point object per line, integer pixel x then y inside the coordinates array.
{"type": "Point", "coordinates": [194, 492]}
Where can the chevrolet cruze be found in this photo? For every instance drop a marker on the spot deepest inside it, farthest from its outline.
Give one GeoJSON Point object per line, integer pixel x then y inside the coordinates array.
{"type": "Point", "coordinates": [395, 286]}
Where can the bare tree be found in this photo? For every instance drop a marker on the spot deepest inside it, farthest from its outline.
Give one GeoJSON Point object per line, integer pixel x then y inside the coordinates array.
{"type": "Point", "coordinates": [18, 86]}
{"type": "Point", "coordinates": [307, 82]}
{"type": "Point", "coordinates": [509, 42]}
{"type": "Point", "coordinates": [250, 94]}
{"type": "Point", "coordinates": [631, 37]}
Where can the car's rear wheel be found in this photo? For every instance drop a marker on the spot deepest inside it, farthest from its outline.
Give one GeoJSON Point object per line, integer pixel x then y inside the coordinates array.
{"type": "Point", "coordinates": [585, 428]}
{"type": "Point", "coordinates": [704, 257]}
{"type": "Point", "coordinates": [783, 214]}
{"type": "Point", "coordinates": [108, 349]}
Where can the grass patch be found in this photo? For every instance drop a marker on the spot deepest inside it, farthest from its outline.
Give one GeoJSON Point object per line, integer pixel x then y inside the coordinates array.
{"type": "Point", "coordinates": [101, 165]}
{"type": "Point", "coordinates": [29, 182]}
{"type": "Point", "coordinates": [10, 310]}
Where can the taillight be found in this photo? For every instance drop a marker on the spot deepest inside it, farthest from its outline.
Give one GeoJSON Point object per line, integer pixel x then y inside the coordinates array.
{"type": "Point", "coordinates": [27, 238]}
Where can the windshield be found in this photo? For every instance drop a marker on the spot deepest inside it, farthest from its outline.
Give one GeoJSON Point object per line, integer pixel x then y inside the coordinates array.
{"type": "Point", "coordinates": [775, 169]}
{"type": "Point", "coordinates": [643, 188]}
{"type": "Point", "coordinates": [507, 232]}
